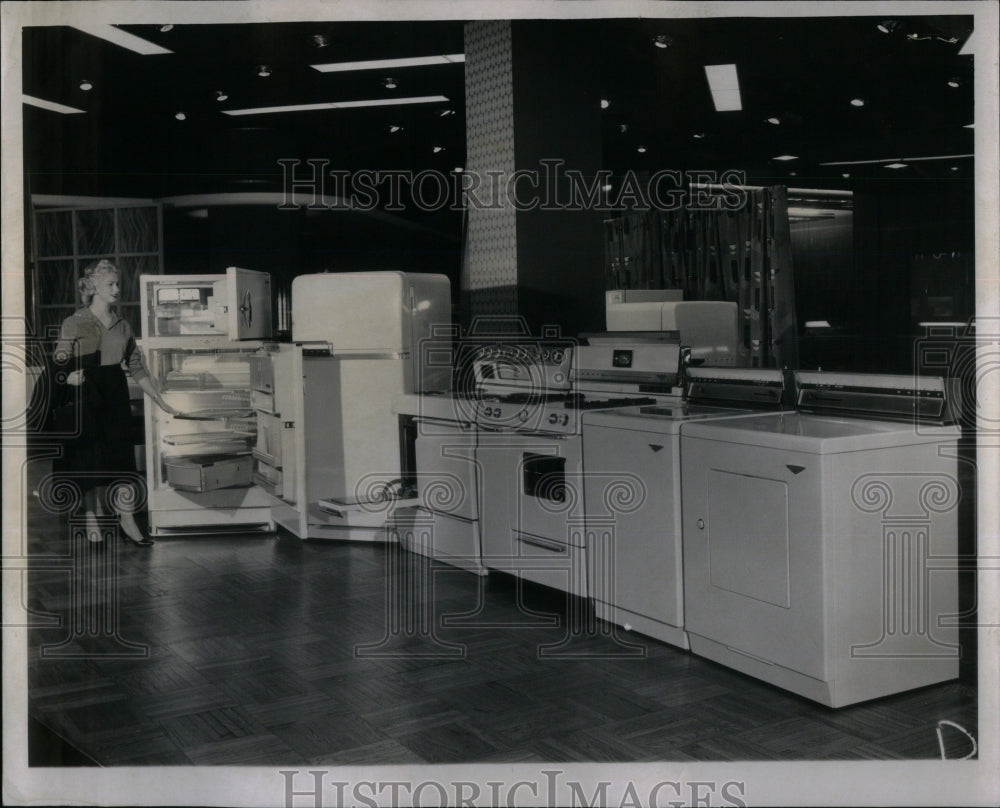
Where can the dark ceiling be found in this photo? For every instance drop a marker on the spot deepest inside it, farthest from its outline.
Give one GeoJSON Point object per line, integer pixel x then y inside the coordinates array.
{"type": "Point", "coordinates": [803, 70]}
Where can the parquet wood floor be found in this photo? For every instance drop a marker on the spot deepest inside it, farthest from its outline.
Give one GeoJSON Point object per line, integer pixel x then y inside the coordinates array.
{"type": "Point", "coordinates": [266, 650]}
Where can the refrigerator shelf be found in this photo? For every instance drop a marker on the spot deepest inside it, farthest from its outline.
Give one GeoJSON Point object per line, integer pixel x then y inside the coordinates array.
{"type": "Point", "coordinates": [206, 437]}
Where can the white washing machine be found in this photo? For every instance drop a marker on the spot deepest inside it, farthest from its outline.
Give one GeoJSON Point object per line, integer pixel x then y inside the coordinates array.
{"type": "Point", "coordinates": [820, 549]}
{"type": "Point", "coordinates": [632, 495]}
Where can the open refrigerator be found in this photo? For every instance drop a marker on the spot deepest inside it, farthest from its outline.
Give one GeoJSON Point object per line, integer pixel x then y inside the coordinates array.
{"type": "Point", "coordinates": [328, 449]}
{"type": "Point", "coordinates": [199, 333]}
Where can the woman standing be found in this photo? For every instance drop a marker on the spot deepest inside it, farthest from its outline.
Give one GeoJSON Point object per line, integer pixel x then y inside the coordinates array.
{"type": "Point", "coordinates": [96, 345]}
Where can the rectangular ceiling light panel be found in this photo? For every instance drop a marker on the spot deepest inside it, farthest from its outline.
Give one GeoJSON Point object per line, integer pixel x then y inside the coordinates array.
{"type": "Point", "coordinates": [52, 106]}
{"type": "Point", "coordinates": [123, 38]}
{"type": "Point", "coordinates": [374, 102]}
{"type": "Point", "coordinates": [381, 64]}
{"type": "Point", "coordinates": [725, 87]}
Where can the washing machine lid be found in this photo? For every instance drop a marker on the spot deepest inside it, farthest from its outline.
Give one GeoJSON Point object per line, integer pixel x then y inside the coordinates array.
{"type": "Point", "coordinates": [664, 417]}
{"type": "Point", "coordinates": [817, 434]}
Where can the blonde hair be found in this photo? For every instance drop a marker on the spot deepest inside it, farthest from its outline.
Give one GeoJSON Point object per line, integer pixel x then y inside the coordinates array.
{"type": "Point", "coordinates": [86, 282]}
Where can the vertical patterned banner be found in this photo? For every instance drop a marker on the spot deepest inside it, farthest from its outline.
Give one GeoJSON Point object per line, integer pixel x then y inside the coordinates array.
{"type": "Point", "coordinates": [489, 270]}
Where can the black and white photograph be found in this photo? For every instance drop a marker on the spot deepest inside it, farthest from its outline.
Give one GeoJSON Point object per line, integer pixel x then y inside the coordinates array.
{"type": "Point", "coordinates": [473, 404]}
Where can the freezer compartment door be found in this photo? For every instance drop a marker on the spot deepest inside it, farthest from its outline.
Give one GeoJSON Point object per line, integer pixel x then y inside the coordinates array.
{"type": "Point", "coordinates": [243, 304]}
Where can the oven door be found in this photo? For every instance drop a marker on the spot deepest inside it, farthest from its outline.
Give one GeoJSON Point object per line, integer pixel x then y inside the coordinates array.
{"type": "Point", "coordinates": [549, 482]}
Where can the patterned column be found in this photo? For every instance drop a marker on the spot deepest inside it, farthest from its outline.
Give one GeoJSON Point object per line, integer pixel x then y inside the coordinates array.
{"type": "Point", "coordinates": [489, 270]}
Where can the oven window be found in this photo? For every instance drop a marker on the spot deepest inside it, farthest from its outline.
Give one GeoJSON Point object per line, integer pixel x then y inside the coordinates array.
{"type": "Point", "coordinates": [544, 476]}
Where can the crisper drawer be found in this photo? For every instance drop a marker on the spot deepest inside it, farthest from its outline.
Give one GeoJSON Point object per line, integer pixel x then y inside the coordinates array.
{"type": "Point", "coordinates": [209, 472]}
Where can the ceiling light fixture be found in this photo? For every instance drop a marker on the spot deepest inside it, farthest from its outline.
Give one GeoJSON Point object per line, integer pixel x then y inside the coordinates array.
{"type": "Point", "coordinates": [607, 187]}
{"type": "Point", "coordinates": [458, 169]}
{"type": "Point", "coordinates": [623, 128]}
{"type": "Point", "coordinates": [51, 106]}
{"type": "Point", "coordinates": [845, 175]}
{"type": "Point", "coordinates": [857, 102]}
{"type": "Point", "coordinates": [913, 36]}
{"type": "Point", "coordinates": [725, 87]}
{"type": "Point", "coordinates": [438, 149]}
{"type": "Point", "coordinates": [953, 168]}
{"type": "Point", "coordinates": [896, 165]}
{"type": "Point", "coordinates": [792, 174]}
{"type": "Point", "coordinates": [641, 149]}
{"type": "Point", "coordinates": [774, 121]}
{"type": "Point", "coordinates": [394, 128]}
{"type": "Point", "coordinates": [115, 35]}
{"type": "Point", "coordinates": [220, 96]}
{"type": "Point", "coordinates": [605, 103]}
{"type": "Point", "coordinates": [662, 41]}
{"type": "Point", "coordinates": [166, 27]}
{"type": "Point", "coordinates": [698, 135]}
{"type": "Point", "coordinates": [785, 157]}
{"type": "Point", "coordinates": [86, 85]}
{"type": "Point", "coordinates": [180, 116]}
{"type": "Point", "coordinates": [373, 102]}
{"type": "Point", "coordinates": [263, 71]}
{"type": "Point", "coordinates": [888, 26]}
{"type": "Point", "coordinates": [954, 81]}
{"type": "Point", "coordinates": [389, 83]}
{"type": "Point", "coordinates": [385, 64]}
{"type": "Point", "coordinates": [445, 113]}
{"type": "Point", "coordinates": [318, 41]}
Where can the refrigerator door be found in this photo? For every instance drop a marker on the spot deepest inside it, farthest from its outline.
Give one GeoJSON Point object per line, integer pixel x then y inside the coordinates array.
{"type": "Point", "coordinates": [243, 302]}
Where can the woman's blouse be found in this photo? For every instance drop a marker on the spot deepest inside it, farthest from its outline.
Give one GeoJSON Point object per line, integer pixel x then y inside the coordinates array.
{"type": "Point", "coordinates": [115, 344]}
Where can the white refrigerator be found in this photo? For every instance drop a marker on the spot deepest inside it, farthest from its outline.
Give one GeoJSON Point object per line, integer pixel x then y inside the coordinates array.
{"type": "Point", "coordinates": [360, 342]}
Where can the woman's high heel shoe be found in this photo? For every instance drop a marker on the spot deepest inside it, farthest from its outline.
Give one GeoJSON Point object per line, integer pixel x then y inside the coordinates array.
{"type": "Point", "coordinates": [131, 532]}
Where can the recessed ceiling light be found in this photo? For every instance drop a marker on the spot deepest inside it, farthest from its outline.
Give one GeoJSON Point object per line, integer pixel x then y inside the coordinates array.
{"type": "Point", "coordinates": [888, 26]}
{"type": "Point", "coordinates": [954, 81]}
{"type": "Point", "coordinates": [641, 149]}
{"type": "Point", "coordinates": [845, 175]}
{"type": "Point", "coordinates": [662, 41]}
{"type": "Point", "coordinates": [51, 106]}
{"type": "Point", "coordinates": [458, 169]}
{"type": "Point", "coordinates": [698, 135]}
{"type": "Point", "coordinates": [389, 83]}
{"type": "Point", "coordinates": [792, 174]}
{"type": "Point", "coordinates": [896, 165]}
{"type": "Point", "coordinates": [857, 102]}
{"type": "Point", "coordinates": [318, 41]}
{"type": "Point", "coordinates": [446, 113]}
{"type": "Point", "coordinates": [607, 187]}
{"type": "Point", "coordinates": [385, 64]}
{"type": "Point", "coordinates": [969, 126]}
{"type": "Point", "coordinates": [166, 27]}
{"type": "Point", "coordinates": [774, 121]}
{"type": "Point", "coordinates": [86, 85]}
{"type": "Point", "coordinates": [180, 116]}
{"type": "Point", "coordinates": [220, 95]}
{"type": "Point", "coordinates": [394, 128]}
{"type": "Point", "coordinates": [785, 157]}
{"type": "Point", "coordinates": [954, 168]}
{"type": "Point", "coordinates": [438, 149]}
{"type": "Point", "coordinates": [725, 87]}
{"type": "Point", "coordinates": [372, 102]}
{"type": "Point", "coordinates": [263, 71]}
{"type": "Point", "coordinates": [605, 103]}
